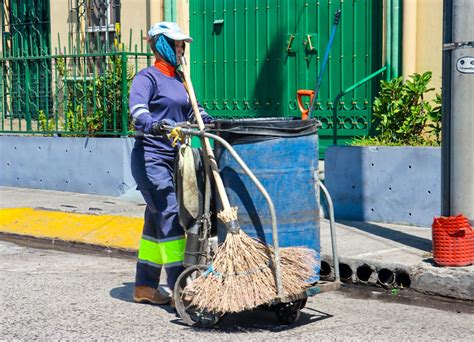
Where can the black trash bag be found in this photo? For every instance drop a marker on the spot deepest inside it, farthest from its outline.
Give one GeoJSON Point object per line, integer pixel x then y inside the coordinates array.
{"type": "Point", "coordinates": [243, 131]}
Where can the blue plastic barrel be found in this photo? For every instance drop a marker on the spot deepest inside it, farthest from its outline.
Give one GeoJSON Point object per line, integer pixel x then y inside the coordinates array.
{"type": "Point", "coordinates": [283, 155]}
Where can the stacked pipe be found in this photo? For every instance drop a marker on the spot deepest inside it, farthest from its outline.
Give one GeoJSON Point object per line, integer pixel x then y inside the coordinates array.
{"type": "Point", "coordinates": [368, 274]}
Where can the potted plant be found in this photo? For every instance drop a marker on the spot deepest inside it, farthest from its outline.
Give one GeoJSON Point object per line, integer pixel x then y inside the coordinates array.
{"type": "Point", "coordinates": [393, 176]}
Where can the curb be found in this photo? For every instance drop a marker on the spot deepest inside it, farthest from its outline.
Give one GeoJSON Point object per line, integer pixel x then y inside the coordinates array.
{"type": "Point", "coordinates": [452, 282]}
{"type": "Point", "coordinates": [111, 231]}
{"type": "Point", "coordinates": [123, 233]}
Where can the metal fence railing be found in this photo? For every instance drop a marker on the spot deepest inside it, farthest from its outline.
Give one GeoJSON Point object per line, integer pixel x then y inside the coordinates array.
{"type": "Point", "coordinates": [72, 92]}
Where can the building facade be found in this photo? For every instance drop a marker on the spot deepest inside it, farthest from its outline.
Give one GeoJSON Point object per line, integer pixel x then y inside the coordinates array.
{"type": "Point", "coordinates": [248, 59]}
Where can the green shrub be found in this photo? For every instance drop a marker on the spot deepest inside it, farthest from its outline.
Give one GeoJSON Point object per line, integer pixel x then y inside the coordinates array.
{"type": "Point", "coordinates": [434, 117]}
{"type": "Point", "coordinates": [403, 116]}
{"type": "Point", "coordinates": [45, 124]}
{"type": "Point", "coordinates": [93, 101]}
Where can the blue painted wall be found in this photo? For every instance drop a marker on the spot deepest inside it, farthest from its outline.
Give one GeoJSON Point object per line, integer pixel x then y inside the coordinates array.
{"type": "Point", "coordinates": [84, 165]}
{"type": "Point", "coordinates": [385, 184]}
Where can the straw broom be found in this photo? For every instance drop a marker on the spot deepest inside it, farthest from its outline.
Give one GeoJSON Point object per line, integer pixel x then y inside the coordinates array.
{"type": "Point", "coordinates": [241, 274]}
{"type": "Point", "coordinates": [244, 280]}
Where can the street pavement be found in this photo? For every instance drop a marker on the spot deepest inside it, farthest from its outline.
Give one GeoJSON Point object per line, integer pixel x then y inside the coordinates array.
{"type": "Point", "coordinates": [116, 223]}
{"type": "Point", "coordinates": [52, 295]}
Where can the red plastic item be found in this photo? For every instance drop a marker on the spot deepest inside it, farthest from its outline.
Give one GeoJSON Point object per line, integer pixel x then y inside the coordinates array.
{"type": "Point", "coordinates": [299, 97]}
{"type": "Point", "coordinates": [453, 241]}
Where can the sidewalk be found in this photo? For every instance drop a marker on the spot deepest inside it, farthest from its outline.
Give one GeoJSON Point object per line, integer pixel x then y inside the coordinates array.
{"type": "Point", "coordinates": [117, 224]}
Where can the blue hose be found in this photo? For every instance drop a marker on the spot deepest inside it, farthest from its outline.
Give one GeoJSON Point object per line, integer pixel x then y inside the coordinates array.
{"type": "Point", "coordinates": [337, 15]}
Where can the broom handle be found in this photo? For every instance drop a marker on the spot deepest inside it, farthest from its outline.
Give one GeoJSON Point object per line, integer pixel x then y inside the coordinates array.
{"type": "Point", "coordinates": [220, 186]}
{"type": "Point", "coordinates": [209, 153]}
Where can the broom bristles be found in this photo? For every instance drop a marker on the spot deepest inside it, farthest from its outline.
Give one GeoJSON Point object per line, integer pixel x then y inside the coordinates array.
{"type": "Point", "coordinates": [241, 275]}
{"type": "Point", "coordinates": [228, 215]}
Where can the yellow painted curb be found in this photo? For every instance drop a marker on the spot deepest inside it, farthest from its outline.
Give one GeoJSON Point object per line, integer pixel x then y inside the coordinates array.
{"type": "Point", "coordinates": [103, 230]}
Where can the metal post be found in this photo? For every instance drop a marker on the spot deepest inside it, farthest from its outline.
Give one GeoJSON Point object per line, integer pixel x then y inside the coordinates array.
{"type": "Point", "coordinates": [388, 39]}
{"type": "Point", "coordinates": [332, 225]}
{"type": "Point", "coordinates": [124, 93]}
{"type": "Point", "coordinates": [459, 152]}
{"type": "Point", "coordinates": [446, 118]}
{"type": "Point", "coordinates": [396, 61]}
{"type": "Point", "coordinates": [27, 86]}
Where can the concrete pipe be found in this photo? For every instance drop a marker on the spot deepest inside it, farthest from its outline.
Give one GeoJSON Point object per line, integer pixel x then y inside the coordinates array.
{"type": "Point", "coordinates": [325, 269]}
{"type": "Point", "coordinates": [363, 273]}
{"type": "Point", "coordinates": [345, 272]}
{"type": "Point", "coordinates": [402, 279]}
{"type": "Point", "coordinates": [386, 277]}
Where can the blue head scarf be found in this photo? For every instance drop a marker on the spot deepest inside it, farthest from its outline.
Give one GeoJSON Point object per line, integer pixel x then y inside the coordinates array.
{"type": "Point", "coordinates": [165, 47]}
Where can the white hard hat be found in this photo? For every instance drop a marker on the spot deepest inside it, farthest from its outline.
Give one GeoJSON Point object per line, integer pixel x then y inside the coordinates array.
{"type": "Point", "coordinates": [170, 30]}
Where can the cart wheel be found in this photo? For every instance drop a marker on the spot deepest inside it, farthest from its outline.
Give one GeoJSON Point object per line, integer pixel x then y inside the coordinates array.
{"type": "Point", "coordinates": [191, 315]}
{"type": "Point", "coordinates": [289, 313]}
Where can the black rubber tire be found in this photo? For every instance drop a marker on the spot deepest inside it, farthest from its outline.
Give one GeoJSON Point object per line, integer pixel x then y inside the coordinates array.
{"type": "Point", "coordinates": [189, 314]}
{"type": "Point", "coordinates": [289, 313]}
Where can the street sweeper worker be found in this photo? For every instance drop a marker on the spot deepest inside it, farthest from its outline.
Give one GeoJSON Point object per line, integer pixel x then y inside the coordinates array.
{"type": "Point", "coordinates": [158, 97]}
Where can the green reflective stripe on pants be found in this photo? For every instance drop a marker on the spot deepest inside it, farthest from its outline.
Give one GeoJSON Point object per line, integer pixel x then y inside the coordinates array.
{"type": "Point", "coordinates": [162, 253]}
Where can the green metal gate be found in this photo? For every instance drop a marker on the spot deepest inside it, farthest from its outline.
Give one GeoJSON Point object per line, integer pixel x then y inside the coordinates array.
{"type": "Point", "coordinates": [26, 81]}
{"type": "Point", "coordinates": [250, 57]}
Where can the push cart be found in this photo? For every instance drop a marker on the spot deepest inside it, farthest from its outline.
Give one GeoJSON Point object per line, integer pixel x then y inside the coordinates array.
{"type": "Point", "coordinates": [202, 243]}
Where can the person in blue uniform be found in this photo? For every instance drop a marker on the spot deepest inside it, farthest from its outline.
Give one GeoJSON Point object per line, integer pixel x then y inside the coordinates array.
{"type": "Point", "coordinates": [158, 97]}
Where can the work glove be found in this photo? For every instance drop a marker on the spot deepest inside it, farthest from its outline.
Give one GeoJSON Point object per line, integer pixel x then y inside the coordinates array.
{"type": "Point", "coordinates": [157, 127]}
{"type": "Point", "coordinates": [208, 120]}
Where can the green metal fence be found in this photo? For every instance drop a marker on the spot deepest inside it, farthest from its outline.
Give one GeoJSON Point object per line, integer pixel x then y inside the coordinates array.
{"type": "Point", "coordinates": [84, 93]}
{"type": "Point", "coordinates": [25, 32]}
{"type": "Point", "coordinates": [251, 57]}
{"type": "Point", "coordinates": [80, 89]}
{"type": "Point", "coordinates": [248, 59]}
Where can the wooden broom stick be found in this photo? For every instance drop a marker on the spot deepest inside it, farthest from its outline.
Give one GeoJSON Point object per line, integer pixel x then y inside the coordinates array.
{"type": "Point", "coordinates": [227, 209]}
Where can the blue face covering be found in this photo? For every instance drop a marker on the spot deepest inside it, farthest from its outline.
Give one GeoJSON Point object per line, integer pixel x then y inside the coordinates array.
{"type": "Point", "coordinates": [165, 47]}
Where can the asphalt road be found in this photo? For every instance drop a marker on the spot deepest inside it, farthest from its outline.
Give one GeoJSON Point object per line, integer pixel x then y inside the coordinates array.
{"type": "Point", "coordinates": [56, 295]}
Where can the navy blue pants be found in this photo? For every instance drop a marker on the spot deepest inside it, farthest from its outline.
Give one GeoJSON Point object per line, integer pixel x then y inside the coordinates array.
{"type": "Point", "coordinates": [163, 240]}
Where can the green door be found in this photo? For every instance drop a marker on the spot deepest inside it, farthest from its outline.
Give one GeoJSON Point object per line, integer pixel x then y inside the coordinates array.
{"type": "Point", "coordinates": [26, 38]}
{"type": "Point", "coordinates": [249, 58]}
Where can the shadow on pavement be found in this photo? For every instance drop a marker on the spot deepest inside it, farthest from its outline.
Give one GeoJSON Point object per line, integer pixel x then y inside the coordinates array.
{"type": "Point", "coordinates": [247, 321]}
{"type": "Point", "coordinates": [257, 320]}
{"type": "Point", "coordinates": [432, 262]}
{"type": "Point", "coordinates": [391, 234]}
{"type": "Point", "coordinates": [124, 292]}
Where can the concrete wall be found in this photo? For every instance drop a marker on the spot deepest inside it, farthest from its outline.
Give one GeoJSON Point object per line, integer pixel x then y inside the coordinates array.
{"type": "Point", "coordinates": [422, 39]}
{"type": "Point", "coordinates": [385, 184]}
{"type": "Point", "coordinates": [84, 165]}
{"type": "Point", "coordinates": [61, 19]}
{"type": "Point", "coordinates": [430, 39]}
{"type": "Point", "coordinates": [137, 15]}
{"type": "Point", "coordinates": [422, 29]}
